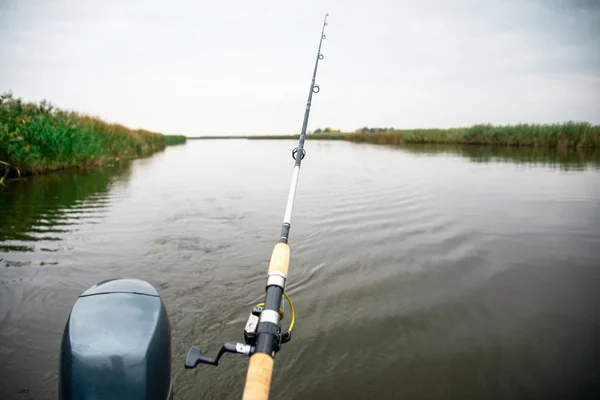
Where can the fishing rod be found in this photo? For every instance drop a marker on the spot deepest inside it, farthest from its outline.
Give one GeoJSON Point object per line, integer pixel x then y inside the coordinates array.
{"type": "Point", "coordinates": [262, 333]}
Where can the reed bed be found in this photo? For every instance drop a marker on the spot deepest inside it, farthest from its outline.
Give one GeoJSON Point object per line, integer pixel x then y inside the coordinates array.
{"type": "Point", "coordinates": [38, 137]}
{"type": "Point", "coordinates": [570, 134]}
{"type": "Point", "coordinates": [567, 135]}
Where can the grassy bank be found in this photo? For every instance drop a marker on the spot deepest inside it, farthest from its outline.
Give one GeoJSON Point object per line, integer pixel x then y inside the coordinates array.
{"type": "Point", "coordinates": [37, 138]}
{"type": "Point", "coordinates": [171, 140]}
{"type": "Point", "coordinates": [570, 134]}
{"type": "Point", "coordinates": [215, 137]}
{"type": "Point", "coordinates": [311, 137]}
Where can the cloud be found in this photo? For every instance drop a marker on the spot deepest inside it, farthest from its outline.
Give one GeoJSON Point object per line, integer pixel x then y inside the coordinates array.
{"type": "Point", "coordinates": [195, 67]}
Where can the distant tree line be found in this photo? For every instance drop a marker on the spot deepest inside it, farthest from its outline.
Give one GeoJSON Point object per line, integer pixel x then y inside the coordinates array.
{"type": "Point", "coordinates": [360, 130]}
{"type": "Point", "coordinates": [327, 130]}
{"type": "Point", "coordinates": [374, 130]}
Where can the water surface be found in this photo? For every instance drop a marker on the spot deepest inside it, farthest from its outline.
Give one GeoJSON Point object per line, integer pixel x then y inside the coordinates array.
{"type": "Point", "coordinates": [417, 273]}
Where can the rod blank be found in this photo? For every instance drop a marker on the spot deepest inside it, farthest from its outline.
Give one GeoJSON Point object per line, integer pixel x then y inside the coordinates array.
{"type": "Point", "coordinates": [260, 367]}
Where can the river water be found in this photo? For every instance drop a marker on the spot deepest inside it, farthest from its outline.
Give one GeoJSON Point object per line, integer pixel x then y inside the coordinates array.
{"type": "Point", "coordinates": [417, 273]}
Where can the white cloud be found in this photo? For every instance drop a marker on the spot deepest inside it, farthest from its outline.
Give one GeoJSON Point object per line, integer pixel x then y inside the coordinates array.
{"type": "Point", "coordinates": [195, 67]}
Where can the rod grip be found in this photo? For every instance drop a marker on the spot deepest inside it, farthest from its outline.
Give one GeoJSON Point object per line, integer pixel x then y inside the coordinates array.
{"type": "Point", "coordinates": [280, 259]}
{"type": "Point", "coordinates": [258, 379]}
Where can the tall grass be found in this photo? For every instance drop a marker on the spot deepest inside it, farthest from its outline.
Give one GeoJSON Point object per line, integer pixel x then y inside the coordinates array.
{"type": "Point", "coordinates": [38, 138]}
{"type": "Point", "coordinates": [174, 139]}
{"type": "Point", "coordinates": [570, 134]}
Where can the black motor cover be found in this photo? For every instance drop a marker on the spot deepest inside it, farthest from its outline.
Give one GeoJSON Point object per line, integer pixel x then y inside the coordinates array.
{"type": "Point", "coordinates": [117, 344]}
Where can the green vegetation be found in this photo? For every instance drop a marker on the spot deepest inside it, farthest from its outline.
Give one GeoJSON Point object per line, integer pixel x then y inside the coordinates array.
{"type": "Point", "coordinates": [36, 138]}
{"type": "Point", "coordinates": [374, 130]}
{"type": "Point", "coordinates": [215, 137]}
{"type": "Point", "coordinates": [333, 136]}
{"type": "Point", "coordinates": [326, 130]}
{"type": "Point", "coordinates": [171, 140]}
{"type": "Point", "coordinates": [571, 134]}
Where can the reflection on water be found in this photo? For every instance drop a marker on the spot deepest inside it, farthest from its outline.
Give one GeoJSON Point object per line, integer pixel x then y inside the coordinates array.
{"type": "Point", "coordinates": [563, 158]}
{"type": "Point", "coordinates": [40, 210]}
{"type": "Point", "coordinates": [426, 272]}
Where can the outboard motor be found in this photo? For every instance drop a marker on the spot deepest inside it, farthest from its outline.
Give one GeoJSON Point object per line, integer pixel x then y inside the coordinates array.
{"type": "Point", "coordinates": [117, 344]}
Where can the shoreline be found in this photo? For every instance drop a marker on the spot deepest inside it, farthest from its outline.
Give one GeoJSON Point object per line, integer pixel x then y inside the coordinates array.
{"type": "Point", "coordinates": [38, 138]}
{"type": "Point", "coordinates": [579, 135]}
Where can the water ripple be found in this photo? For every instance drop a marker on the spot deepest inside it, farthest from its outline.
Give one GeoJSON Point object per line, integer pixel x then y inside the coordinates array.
{"type": "Point", "coordinates": [414, 275]}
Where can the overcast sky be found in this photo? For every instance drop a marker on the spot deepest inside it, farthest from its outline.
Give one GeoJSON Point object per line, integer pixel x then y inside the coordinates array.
{"type": "Point", "coordinates": [244, 67]}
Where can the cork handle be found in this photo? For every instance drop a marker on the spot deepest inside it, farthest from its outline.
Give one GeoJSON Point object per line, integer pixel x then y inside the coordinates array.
{"type": "Point", "coordinates": [258, 379]}
{"type": "Point", "coordinates": [280, 259]}
{"type": "Point", "coordinates": [260, 368]}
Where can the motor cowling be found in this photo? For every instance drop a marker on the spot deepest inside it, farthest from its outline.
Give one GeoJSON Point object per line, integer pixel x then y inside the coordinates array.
{"type": "Point", "coordinates": [117, 344]}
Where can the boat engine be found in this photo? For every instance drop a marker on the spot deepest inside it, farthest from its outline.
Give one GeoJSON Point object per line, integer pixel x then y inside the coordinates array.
{"type": "Point", "coordinates": [117, 344]}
